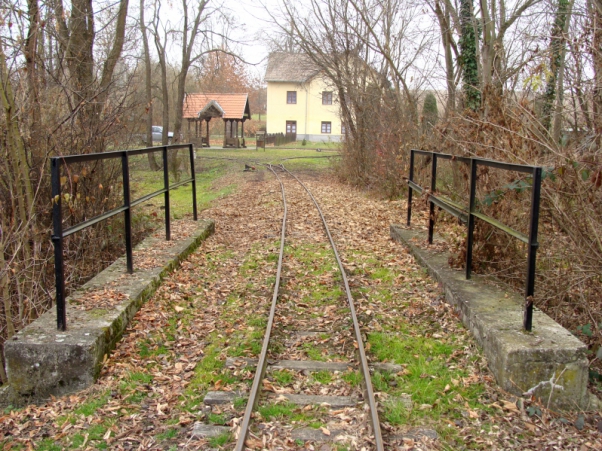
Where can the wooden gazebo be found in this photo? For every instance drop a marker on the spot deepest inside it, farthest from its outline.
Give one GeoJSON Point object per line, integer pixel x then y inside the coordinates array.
{"type": "Point", "coordinates": [232, 108]}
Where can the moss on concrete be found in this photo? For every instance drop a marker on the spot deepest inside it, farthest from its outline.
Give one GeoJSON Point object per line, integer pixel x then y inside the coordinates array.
{"type": "Point", "coordinates": [42, 361]}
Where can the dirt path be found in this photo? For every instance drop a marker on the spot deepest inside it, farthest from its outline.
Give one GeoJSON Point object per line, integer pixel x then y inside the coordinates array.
{"type": "Point", "coordinates": [151, 389]}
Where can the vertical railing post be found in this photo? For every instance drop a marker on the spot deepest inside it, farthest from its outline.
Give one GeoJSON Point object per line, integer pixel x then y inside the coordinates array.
{"type": "Point", "coordinates": [431, 203]}
{"type": "Point", "coordinates": [127, 214]}
{"type": "Point", "coordinates": [533, 228]}
{"type": "Point", "coordinates": [57, 241]}
{"type": "Point", "coordinates": [193, 176]}
{"type": "Point", "coordinates": [471, 218]}
{"type": "Point", "coordinates": [166, 188]}
{"type": "Point", "coordinates": [410, 187]}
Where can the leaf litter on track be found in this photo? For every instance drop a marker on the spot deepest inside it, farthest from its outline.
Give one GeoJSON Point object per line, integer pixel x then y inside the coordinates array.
{"type": "Point", "coordinates": [214, 306]}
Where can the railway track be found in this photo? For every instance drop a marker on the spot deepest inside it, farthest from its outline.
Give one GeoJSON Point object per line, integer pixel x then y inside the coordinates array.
{"type": "Point", "coordinates": [290, 329]}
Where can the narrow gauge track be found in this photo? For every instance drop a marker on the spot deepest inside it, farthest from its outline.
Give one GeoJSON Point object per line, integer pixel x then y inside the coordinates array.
{"type": "Point", "coordinates": [255, 392]}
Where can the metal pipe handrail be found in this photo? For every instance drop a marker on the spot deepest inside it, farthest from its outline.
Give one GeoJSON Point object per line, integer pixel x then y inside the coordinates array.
{"type": "Point", "coordinates": [59, 233]}
{"type": "Point", "coordinates": [468, 216]}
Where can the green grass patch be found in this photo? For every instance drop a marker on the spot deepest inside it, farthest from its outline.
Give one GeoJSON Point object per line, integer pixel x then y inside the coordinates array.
{"type": "Point", "coordinates": [207, 372]}
{"type": "Point", "coordinates": [145, 182]}
{"type": "Point", "coordinates": [219, 419]}
{"type": "Point", "coordinates": [382, 274]}
{"type": "Point", "coordinates": [219, 441]}
{"type": "Point", "coordinates": [428, 375]}
{"type": "Point", "coordinates": [167, 435]}
{"type": "Point", "coordinates": [141, 378]}
{"type": "Point", "coordinates": [90, 407]}
{"type": "Point", "coordinates": [283, 377]}
{"type": "Point", "coordinates": [48, 444]}
{"type": "Point", "coordinates": [285, 411]}
{"type": "Point", "coordinates": [240, 403]}
{"type": "Point", "coordinates": [395, 412]}
{"type": "Point", "coordinates": [313, 352]}
{"type": "Point", "coordinates": [322, 377]}
{"type": "Point", "coordinates": [353, 378]}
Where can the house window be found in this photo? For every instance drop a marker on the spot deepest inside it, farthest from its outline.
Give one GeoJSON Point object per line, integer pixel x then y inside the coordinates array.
{"type": "Point", "coordinates": [291, 127]}
{"type": "Point", "coordinates": [326, 126]}
{"type": "Point", "coordinates": [343, 129]}
{"type": "Point", "coordinates": [291, 96]}
{"type": "Point", "coordinates": [327, 98]}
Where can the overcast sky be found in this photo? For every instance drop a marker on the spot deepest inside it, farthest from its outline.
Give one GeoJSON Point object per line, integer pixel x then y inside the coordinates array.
{"type": "Point", "coordinates": [257, 22]}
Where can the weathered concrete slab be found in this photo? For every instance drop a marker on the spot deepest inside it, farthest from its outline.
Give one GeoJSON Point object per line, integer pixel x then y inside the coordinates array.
{"type": "Point", "coordinates": [208, 430]}
{"type": "Point", "coordinates": [336, 402]}
{"type": "Point", "coordinates": [41, 361]}
{"type": "Point", "coordinates": [309, 365]}
{"type": "Point", "coordinates": [214, 398]}
{"type": "Point", "coordinates": [315, 435]}
{"type": "Point", "coordinates": [521, 362]}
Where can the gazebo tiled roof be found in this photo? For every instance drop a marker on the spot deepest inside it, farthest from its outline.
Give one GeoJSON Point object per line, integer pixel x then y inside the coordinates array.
{"type": "Point", "coordinates": [234, 106]}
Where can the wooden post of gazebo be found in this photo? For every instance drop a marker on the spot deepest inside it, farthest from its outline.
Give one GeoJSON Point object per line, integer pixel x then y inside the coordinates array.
{"type": "Point", "coordinates": [242, 133]}
{"type": "Point", "coordinates": [208, 143]}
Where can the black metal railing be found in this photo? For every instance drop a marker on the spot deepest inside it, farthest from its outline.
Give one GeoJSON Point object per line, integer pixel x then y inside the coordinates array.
{"type": "Point", "coordinates": [59, 234]}
{"type": "Point", "coordinates": [469, 213]}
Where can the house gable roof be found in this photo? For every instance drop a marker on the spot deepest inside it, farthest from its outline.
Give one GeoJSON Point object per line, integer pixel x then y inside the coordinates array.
{"type": "Point", "coordinates": [231, 106]}
{"type": "Point", "coordinates": [290, 67]}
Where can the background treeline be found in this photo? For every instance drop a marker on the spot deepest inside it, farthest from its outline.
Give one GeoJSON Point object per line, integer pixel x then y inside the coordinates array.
{"type": "Point", "coordinates": [519, 81]}
{"type": "Point", "coordinates": [85, 76]}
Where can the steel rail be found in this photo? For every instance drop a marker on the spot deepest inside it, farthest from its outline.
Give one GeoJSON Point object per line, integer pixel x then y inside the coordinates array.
{"type": "Point", "coordinates": [262, 363]}
{"type": "Point", "coordinates": [378, 440]}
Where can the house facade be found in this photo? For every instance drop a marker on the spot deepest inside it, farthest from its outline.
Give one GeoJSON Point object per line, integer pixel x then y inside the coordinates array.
{"type": "Point", "coordinates": [299, 100]}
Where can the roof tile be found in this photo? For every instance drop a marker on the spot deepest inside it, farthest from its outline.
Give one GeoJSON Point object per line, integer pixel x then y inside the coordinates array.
{"type": "Point", "coordinates": [234, 105]}
{"type": "Point", "coordinates": [290, 67]}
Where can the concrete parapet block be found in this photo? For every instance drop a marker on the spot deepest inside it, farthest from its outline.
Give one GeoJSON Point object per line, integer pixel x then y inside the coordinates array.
{"type": "Point", "coordinates": [549, 362]}
{"type": "Point", "coordinates": [42, 361]}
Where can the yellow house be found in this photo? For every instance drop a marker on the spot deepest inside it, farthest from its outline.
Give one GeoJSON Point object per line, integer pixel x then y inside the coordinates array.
{"type": "Point", "coordinates": [299, 100]}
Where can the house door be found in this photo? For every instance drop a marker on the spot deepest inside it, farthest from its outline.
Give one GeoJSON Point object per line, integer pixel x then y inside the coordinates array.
{"type": "Point", "coordinates": [291, 129]}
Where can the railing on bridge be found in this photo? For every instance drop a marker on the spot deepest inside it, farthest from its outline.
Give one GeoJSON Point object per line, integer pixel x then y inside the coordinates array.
{"type": "Point", "coordinates": [59, 233]}
{"type": "Point", "coordinates": [468, 215]}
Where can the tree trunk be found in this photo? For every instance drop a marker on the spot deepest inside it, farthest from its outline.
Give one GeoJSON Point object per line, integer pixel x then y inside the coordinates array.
{"type": "Point", "coordinates": [5, 293]}
{"type": "Point", "coordinates": [447, 39]}
{"type": "Point", "coordinates": [76, 39]}
{"type": "Point", "coordinates": [188, 44]}
{"type": "Point", "coordinates": [160, 46]}
{"type": "Point", "coordinates": [30, 51]}
{"type": "Point", "coordinates": [557, 46]}
{"type": "Point", "coordinates": [20, 185]}
{"type": "Point", "coordinates": [596, 50]}
{"type": "Point", "coordinates": [468, 57]}
{"type": "Point", "coordinates": [148, 90]}
{"type": "Point", "coordinates": [16, 148]}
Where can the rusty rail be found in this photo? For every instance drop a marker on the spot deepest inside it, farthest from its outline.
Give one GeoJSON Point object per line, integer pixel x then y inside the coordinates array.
{"type": "Point", "coordinates": [262, 363]}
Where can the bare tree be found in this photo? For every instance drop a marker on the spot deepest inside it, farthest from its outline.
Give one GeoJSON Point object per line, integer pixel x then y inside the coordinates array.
{"type": "Point", "coordinates": [596, 51]}
{"type": "Point", "coordinates": [148, 87]}
{"type": "Point", "coordinates": [76, 38]}
{"type": "Point", "coordinates": [161, 34]}
{"type": "Point", "coordinates": [443, 11]}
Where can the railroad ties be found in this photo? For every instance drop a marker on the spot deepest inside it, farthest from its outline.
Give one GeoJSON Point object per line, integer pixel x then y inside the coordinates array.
{"type": "Point", "coordinates": [313, 355]}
